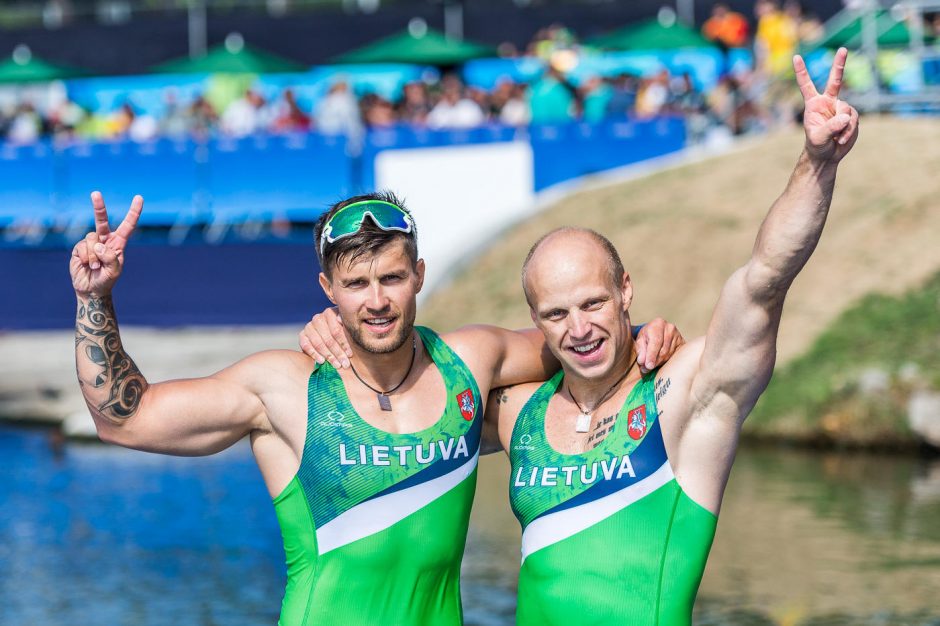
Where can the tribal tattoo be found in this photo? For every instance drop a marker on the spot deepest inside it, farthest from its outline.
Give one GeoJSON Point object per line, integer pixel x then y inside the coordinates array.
{"type": "Point", "coordinates": [97, 340]}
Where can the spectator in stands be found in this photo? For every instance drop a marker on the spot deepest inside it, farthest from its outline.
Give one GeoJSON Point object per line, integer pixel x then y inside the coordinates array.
{"type": "Point", "coordinates": [144, 127]}
{"type": "Point", "coordinates": [686, 100]}
{"type": "Point", "coordinates": [727, 28]}
{"type": "Point", "coordinates": [415, 104]}
{"type": "Point", "coordinates": [201, 117]}
{"type": "Point", "coordinates": [175, 120]}
{"type": "Point", "coordinates": [549, 40]}
{"type": "Point", "coordinates": [652, 95]}
{"type": "Point", "coordinates": [118, 124]}
{"type": "Point", "coordinates": [623, 95]}
{"type": "Point", "coordinates": [932, 24]}
{"type": "Point", "coordinates": [377, 112]}
{"type": "Point", "coordinates": [455, 110]}
{"type": "Point", "coordinates": [245, 116]}
{"type": "Point", "coordinates": [290, 118]}
{"type": "Point", "coordinates": [509, 104]}
{"type": "Point", "coordinates": [810, 28]}
{"type": "Point", "coordinates": [65, 117]}
{"type": "Point", "coordinates": [338, 112]}
{"type": "Point", "coordinates": [25, 126]}
{"type": "Point", "coordinates": [552, 99]}
{"type": "Point", "coordinates": [732, 105]}
{"type": "Point", "coordinates": [775, 40]}
{"type": "Point", "coordinates": [596, 94]}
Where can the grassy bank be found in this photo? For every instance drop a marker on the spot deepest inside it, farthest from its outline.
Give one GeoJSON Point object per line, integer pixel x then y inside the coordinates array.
{"type": "Point", "coordinates": [853, 385]}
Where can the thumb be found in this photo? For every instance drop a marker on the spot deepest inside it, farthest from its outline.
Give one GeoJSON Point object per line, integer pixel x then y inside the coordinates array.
{"type": "Point", "coordinates": [107, 256]}
{"type": "Point", "coordinates": [838, 123]}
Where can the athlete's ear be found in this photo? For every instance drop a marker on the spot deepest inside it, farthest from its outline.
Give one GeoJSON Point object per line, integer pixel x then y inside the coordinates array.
{"type": "Point", "coordinates": [419, 275]}
{"type": "Point", "coordinates": [327, 287]}
{"type": "Point", "coordinates": [626, 291]}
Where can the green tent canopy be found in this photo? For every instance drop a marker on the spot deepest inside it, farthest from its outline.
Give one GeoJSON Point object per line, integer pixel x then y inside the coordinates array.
{"type": "Point", "coordinates": [433, 48]}
{"type": "Point", "coordinates": [850, 32]}
{"type": "Point", "coordinates": [651, 35]}
{"type": "Point", "coordinates": [220, 60]}
{"type": "Point", "coordinates": [35, 70]}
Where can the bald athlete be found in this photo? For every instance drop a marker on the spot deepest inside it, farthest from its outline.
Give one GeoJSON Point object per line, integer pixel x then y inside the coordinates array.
{"type": "Point", "coordinates": [371, 469]}
{"type": "Point", "coordinates": [617, 476]}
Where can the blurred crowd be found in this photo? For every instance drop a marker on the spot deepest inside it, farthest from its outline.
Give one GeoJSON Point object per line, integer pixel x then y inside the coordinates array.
{"type": "Point", "coordinates": [445, 104]}
{"type": "Point", "coordinates": [739, 103]}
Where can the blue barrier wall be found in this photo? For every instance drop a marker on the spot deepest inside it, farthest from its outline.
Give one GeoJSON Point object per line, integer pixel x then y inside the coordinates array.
{"type": "Point", "coordinates": [221, 180]}
{"type": "Point", "coordinates": [191, 284]}
{"type": "Point", "coordinates": [563, 152]}
{"type": "Point", "coordinates": [230, 181]}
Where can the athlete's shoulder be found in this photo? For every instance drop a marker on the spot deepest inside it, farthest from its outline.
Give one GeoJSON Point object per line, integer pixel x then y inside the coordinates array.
{"type": "Point", "coordinates": [474, 337]}
{"type": "Point", "coordinates": [269, 368]}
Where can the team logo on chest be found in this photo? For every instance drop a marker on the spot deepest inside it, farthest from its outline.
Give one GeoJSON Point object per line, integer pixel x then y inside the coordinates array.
{"type": "Point", "coordinates": [466, 404]}
{"type": "Point", "coordinates": [636, 422]}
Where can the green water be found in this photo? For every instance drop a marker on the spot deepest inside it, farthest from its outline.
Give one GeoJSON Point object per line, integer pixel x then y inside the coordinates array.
{"type": "Point", "coordinates": [803, 538]}
{"type": "Point", "coordinates": [92, 534]}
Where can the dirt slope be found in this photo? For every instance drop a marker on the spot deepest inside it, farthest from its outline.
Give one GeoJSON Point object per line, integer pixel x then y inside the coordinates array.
{"type": "Point", "coordinates": [682, 232]}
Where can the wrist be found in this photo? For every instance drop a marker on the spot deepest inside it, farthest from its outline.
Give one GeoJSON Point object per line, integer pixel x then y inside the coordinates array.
{"type": "Point", "coordinates": [819, 165]}
{"type": "Point", "coordinates": [85, 296]}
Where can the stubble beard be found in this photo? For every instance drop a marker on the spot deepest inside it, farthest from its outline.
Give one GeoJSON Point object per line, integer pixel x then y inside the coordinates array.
{"type": "Point", "coordinates": [383, 346]}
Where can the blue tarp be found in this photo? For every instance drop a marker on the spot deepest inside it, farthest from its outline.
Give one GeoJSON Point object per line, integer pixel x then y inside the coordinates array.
{"type": "Point", "coordinates": [705, 66]}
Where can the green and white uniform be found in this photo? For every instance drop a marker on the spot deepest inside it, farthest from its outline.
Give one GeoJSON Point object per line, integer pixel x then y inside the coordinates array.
{"type": "Point", "coordinates": [609, 537]}
{"type": "Point", "coordinates": [374, 524]}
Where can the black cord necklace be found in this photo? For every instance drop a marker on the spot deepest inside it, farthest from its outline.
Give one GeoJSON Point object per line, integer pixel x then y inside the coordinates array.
{"type": "Point", "coordinates": [385, 403]}
{"type": "Point", "coordinates": [583, 423]}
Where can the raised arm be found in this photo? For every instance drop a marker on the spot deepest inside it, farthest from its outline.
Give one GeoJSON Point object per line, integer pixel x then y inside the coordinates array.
{"type": "Point", "coordinates": [188, 417]}
{"type": "Point", "coordinates": [740, 345]}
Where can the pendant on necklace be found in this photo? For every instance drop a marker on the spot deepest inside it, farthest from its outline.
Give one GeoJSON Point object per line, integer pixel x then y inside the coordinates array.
{"type": "Point", "coordinates": [583, 424]}
{"type": "Point", "coordinates": [385, 403]}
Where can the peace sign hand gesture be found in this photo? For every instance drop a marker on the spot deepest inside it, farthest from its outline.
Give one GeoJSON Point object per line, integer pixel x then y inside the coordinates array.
{"type": "Point", "coordinates": [831, 125]}
{"type": "Point", "coordinates": [97, 260]}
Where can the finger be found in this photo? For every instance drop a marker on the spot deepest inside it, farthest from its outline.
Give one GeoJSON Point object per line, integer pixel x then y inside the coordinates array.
{"type": "Point", "coordinates": [652, 350]}
{"type": "Point", "coordinates": [838, 123]}
{"type": "Point", "coordinates": [340, 338]}
{"type": "Point", "coordinates": [307, 348]}
{"type": "Point", "coordinates": [834, 84]}
{"type": "Point", "coordinates": [106, 256]}
{"type": "Point", "coordinates": [805, 83]}
{"type": "Point", "coordinates": [80, 252]}
{"type": "Point", "coordinates": [851, 129]}
{"type": "Point", "coordinates": [126, 229]}
{"type": "Point", "coordinates": [328, 335]}
{"type": "Point", "coordinates": [91, 240]}
{"type": "Point", "coordinates": [101, 215]}
{"type": "Point", "coordinates": [337, 330]}
{"type": "Point", "coordinates": [322, 352]}
{"type": "Point", "coordinates": [641, 352]}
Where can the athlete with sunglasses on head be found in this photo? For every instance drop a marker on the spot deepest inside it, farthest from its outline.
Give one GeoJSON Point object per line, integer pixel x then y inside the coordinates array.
{"type": "Point", "coordinates": [618, 476]}
{"type": "Point", "coordinates": [372, 468]}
